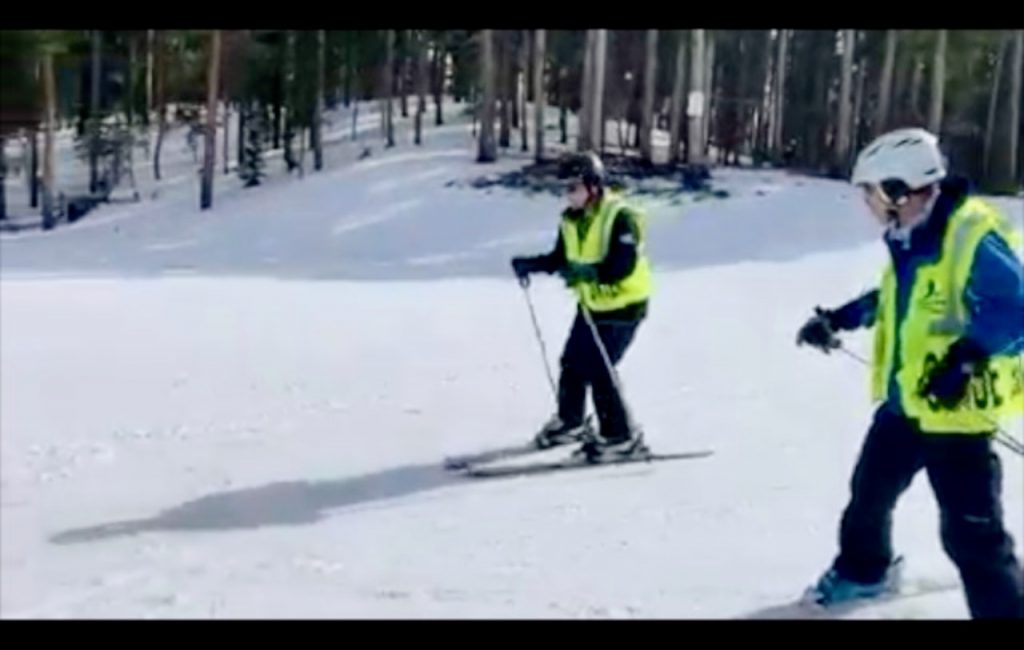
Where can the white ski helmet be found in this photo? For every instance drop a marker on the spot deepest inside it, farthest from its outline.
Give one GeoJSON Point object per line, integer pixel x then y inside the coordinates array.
{"type": "Point", "coordinates": [911, 156]}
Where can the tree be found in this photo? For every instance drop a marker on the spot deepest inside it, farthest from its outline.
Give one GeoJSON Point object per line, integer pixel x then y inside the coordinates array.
{"type": "Point", "coordinates": [885, 83]}
{"type": "Point", "coordinates": [993, 102]}
{"type": "Point", "coordinates": [487, 150]}
{"type": "Point", "coordinates": [709, 80]}
{"type": "Point", "coordinates": [504, 70]}
{"type": "Point", "coordinates": [647, 109]}
{"type": "Point", "coordinates": [677, 109]}
{"type": "Point", "coordinates": [1007, 175]}
{"type": "Point", "coordinates": [49, 161]}
{"type": "Point", "coordinates": [438, 78]}
{"type": "Point", "coordinates": [583, 138]}
{"type": "Point", "coordinates": [695, 105]}
{"type": "Point", "coordinates": [94, 112]}
{"type": "Point", "coordinates": [842, 149]}
{"type": "Point", "coordinates": [160, 79]}
{"type": "Point", "coordinates": [318, 107]}
{"type": "Point", "coordinates": [781, 67]}
{"type": "Point", "coordinates": [389, 64]}
{"type": "Point", "coordinates": [539, 94]}
{"type": "Point", "coordinates": [597, 100]}
{"type": "Point", "coordinates": [420, 53]}
{"type": "Point", "coordinates": [521, 90]}
{"type": "Point", "coordinates": [938, 83]}
{"type": "Point", "coordinates": [210, 148]}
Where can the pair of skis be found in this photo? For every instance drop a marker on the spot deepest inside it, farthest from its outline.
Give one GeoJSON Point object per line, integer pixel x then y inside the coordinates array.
{"type": "Point", "coordinates": [483, 464]}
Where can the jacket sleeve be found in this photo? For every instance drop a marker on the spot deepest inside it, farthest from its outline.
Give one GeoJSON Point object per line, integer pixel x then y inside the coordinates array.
{"type": "Point", "coordinates": [859, 312]}
{"type": "Point", "coordinates": [994, 296]}
{"type": "Point", "coordinates": [550, 262]}
{"type": "Point", "coordinates": [621, 258]}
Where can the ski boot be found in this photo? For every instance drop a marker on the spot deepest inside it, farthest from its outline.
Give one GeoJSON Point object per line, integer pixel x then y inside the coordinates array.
{"type": "Point", "coordinates": [556, 433]}
{"type": "Point", "coordinates": [597, 449]}
{"type": "Point", "coordinates": [833, 589]}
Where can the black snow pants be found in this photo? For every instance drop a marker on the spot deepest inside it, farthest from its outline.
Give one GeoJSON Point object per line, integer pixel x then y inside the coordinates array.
{"type": "Point", "coordinates": [966, 478]}
{"type": "Point", "coordinates": [583, 367]}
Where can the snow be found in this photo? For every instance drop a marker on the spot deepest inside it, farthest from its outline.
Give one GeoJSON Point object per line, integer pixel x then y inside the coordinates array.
{"type": "Point", "coordinates": [242, 412]}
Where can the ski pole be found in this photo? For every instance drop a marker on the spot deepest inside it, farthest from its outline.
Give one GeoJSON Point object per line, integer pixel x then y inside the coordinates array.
{"type": "Point", "coordinates": [616, 382]}
{"type": "Point", "coordinates": [525, 284]}
{"type": "Point", "coordinates": [1002, 436]}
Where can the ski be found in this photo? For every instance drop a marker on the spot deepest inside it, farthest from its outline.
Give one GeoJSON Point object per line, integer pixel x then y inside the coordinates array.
{"type": "Point", "coordinates": [574, 463]}
{"type": "Point", "coordinates": [458, 463]}
{"type": "Point", "coordinates": [802, 608]}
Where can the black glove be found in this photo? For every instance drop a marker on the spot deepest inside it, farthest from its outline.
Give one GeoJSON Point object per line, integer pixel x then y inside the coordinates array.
{"type": "Point", "coordinates": [523, 267]}
{"type": "Point", "coordinates": [574, 273]}
{"type": "Point", "coordinates": [948, 380]}
{"type": "Point", "coordinates": [819, 332]}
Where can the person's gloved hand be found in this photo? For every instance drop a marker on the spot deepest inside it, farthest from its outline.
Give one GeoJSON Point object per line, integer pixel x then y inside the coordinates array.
{"type": "Point", "coordinates": [948, 380]}
{"type": "Point", "coordinates": [819, 332]}
{"type": "Point", "coordinates": [575, 273]}
{"type": "Point", "coordinates": [523, 267]}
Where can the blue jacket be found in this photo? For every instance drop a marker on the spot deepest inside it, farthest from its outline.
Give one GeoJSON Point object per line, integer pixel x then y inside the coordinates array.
{"type": "Point", "coordinates": [994, 294]}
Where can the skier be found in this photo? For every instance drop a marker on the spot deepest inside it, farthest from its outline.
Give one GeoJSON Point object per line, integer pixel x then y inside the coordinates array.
{"type": "Point", "coordinates": [948, 330]}
{"type": "Point", "coordinates": [600, 254]}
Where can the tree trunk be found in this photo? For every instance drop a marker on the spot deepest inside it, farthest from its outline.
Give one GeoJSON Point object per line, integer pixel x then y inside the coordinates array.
{"type": "Point", "coordinates": [3, 178]}
{"type": "Point", "coordinates": [290, 101]}
{"type": "Point", "coordinates": [842, 149]}
{"type": "Point", "coordinates": [161, 101]}
{"type": "Point", "coordinates": [350, 71]}
{"type": "Point", "coordinates": [420, 52]}
{"type": "Point", "coordinates": [885, 83]}
{"type": "Point", "coordinates": [49, 162]}
{"type": "Point", "coordinates": [647, 105]}
{"type": "Point", "coordinates": [522, 88]}
{"type": "Point", "coordinates": [149, 76]}
{"type": "Point", "coordinates": [133, 55]}
{"type": "Point", "coordinates": [487, 151]}
{"type": "Point", "coordinates": [916, 83]}
{"type": "Point", "coordinates": [858, 103]}
{"type": "Point", "coordinates": [677, 108]}
{"type": "Point", "coordinates": [243, 111]}
{"type": "Point", "coordinates": [33, 181]}
{"type": "Point", "coordinates": [993, 102]}
{"type": "Point", "coordinates": [210, 148]}
{"type": "Point", "coordinates": [938, 83]}
{"type": "Point", "coordinates": [514, 52]}
{"type": "Point", "coordinates": [709, 87]}
{"type": "Point", "coordinates": [504, 68]}
{"type": "Point", "coordinates": [742, 111]}
{"type": "Point", "coordinates": [94, 112]}
{"type": "Point", "coordinates": [597, 113]}
{"type": "Point", "coordinates": [764, 121]}
{"type": "Point", "coordinates": [818, 126]}
{"type": "Point", "coordinates": [389, 119]}
{"type": "Point", "coordinates": [539, 93]}
{"type": "Point", "coordinates": [781, 66]}
{"type": "Point", "coordinates": [318, 104]}
{"type": "Point", "coordinates": [583, 141]}
{"type": "Point", "coordinates": [227, 132]}
{"type": "Point", "coordinates": [1007, 175]}
{"type": "Point", "coordinates": [695, 105]}
{"type": "Point", "coordinates": [403, 78]}
{"type": "Point", "coordinates": [438, 78]}
{"type": "Point", "coordinates": [563, 106]}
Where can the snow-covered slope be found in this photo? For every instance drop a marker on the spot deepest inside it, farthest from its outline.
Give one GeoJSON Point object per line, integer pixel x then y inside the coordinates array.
{"type": "Point", "coordinates": [243, 412]}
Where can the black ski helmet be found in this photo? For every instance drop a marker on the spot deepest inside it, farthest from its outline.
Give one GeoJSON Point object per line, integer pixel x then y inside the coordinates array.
{"type": "Point", "coordinates": [586, 166]}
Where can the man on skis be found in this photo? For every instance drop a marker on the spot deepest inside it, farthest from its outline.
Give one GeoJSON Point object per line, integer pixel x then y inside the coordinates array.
{"type": "Point", "coordinates": [946, 369]}
{"type": "Point", "coordinates": [600, 255]}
